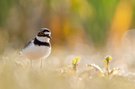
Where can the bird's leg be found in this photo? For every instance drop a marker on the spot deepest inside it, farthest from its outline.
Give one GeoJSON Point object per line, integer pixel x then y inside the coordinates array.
{"type": "Point", "coordinates": [31, 63]}
{"type": "Point", "coordinates": [41, 64]}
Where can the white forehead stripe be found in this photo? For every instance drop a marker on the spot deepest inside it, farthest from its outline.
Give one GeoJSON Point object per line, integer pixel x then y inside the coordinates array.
{"type": "Point", "coordinates": [48, 33]}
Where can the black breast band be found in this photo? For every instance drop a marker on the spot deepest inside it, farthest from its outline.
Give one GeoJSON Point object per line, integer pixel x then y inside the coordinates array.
{"type": "Point", "coordinates": [39, 43]}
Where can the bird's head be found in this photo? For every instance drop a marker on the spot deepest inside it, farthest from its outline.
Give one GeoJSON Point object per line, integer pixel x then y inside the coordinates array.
{"type": "Point", "coordinates": [44, 34]}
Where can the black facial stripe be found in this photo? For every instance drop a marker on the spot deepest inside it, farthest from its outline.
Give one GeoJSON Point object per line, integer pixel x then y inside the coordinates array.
{"type": "Point", "coordinates": [48, 36]}
{"type": "Point", "coordinates": [39, 43]}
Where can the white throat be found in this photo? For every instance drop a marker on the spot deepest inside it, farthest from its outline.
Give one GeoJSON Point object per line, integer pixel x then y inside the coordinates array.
{"type": "Point", "coordinates": [43, 39]}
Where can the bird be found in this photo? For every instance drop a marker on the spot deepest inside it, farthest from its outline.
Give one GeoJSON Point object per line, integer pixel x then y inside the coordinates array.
{"type": "Point", "coordinates": [40, 47]}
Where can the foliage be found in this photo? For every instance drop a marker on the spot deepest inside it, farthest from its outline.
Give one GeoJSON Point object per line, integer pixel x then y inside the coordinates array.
{"type": "Point", "coordinates": [5, 6]}
{"type": "Point", "coordinates": [98, 25]}
{"type": "Point", "coordinates": [15, 73]}
{"type": "Point", "coordinates": [75, 62]}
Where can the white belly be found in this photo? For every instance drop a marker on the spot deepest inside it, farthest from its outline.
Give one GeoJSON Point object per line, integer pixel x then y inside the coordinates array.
{"type": "Point", "coordinates": [36, 52]}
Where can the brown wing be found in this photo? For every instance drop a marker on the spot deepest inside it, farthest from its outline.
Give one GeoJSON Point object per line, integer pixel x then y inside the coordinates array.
{"type": "Point", "coordinates": [28, 44]}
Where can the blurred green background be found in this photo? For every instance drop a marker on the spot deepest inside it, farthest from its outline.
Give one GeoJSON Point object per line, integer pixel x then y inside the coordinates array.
{"type": "Point", "coordinates": [90, 29]}
{"type": "Point", "coordinates": [72, 22]}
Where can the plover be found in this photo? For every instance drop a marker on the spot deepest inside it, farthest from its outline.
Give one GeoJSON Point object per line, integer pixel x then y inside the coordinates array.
{"type": "Point", "coordinates": [40, 47]}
